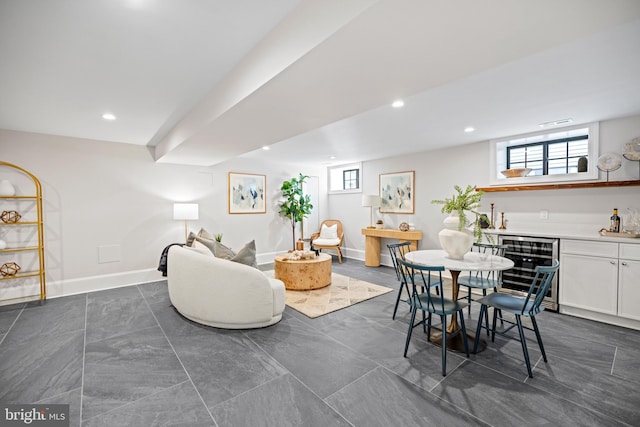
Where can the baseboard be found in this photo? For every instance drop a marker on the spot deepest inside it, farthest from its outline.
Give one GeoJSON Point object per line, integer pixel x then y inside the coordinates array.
{"type": "Point", "coordinates": [81, 285]}
{"type": "Point", "coordinates": [600, 317]}
{"type": "Point", "coordinates": [62, 288]}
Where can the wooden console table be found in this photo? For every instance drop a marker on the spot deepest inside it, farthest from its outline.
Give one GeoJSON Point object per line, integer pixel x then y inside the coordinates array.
{"type": "Point", "coordinates": [372, 242]}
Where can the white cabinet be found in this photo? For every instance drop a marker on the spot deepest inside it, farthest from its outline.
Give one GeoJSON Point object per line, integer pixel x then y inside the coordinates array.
{"type": "Point", "coordinates": [600, 277]}
{"type": "Point", "coordinates": [589, 275]}
{"type": "Point", "coordinates": [629, 281]}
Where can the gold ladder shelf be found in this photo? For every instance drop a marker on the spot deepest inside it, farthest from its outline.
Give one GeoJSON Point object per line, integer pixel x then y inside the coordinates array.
{"type": "Point", "coordinates": [40, 273]}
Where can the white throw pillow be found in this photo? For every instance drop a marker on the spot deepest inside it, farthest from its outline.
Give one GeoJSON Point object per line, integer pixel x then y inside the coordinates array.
{"type": "Point", "coordinates": [329, 232]}
{"type": "Point", "coordinates": [199, 247]}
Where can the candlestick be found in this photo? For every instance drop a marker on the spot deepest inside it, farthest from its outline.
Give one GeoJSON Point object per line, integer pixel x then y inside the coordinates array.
{"type": "Point", "coordinates": [502, 226]}
{"type": "Point", "coordinates": [491, 222]}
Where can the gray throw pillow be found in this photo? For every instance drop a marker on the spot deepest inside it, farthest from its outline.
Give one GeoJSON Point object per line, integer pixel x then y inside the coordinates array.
{"type": "Point", "coordinates": [190, 239]}
{"type": "Point", "coordinates": [221, 251]}
{"type": "Point", "coordinates": [247, 255]}
{"type": "Point", "coordinates": [205, 234]}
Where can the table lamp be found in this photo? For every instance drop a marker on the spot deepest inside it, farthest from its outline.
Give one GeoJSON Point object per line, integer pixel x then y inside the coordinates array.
{"type": "Point", "coordinates": [370, 201]}
{"type": "Point", "coordinates": [185, 211]}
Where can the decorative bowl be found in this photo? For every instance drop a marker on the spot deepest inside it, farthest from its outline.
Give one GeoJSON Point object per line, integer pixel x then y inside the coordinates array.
{"type": "Point", "coordinates": [516, 173]}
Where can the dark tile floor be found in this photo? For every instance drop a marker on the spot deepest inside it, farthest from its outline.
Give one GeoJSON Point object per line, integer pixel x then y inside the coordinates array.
{"type": "Point", "coordinates": [124, 357]}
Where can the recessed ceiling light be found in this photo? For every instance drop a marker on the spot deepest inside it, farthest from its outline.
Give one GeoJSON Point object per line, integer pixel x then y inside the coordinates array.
{"type": "Point", "coordinates": [332, 157]}
{"type": "Point", "coordinates": [469, 129]}
{"type": "Point", "coordinates": [556, 123]}
{"type": "Point", "coordinates": [266, 148]}
{"type": "Point", "coordinates": [108, 116]}
{"type": "Point", "coordinates": [398, 103]}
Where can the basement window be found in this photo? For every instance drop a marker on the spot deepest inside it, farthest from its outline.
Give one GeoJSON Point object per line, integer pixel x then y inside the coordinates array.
{"type": "Point", "coordinates": [551, 156]}
{"type": "Point", "coordinates": [345, 178]}
{"type": "Point", "coordinates": [351, 179]}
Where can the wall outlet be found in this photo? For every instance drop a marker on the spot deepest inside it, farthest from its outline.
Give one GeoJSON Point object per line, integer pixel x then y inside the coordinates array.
{"type": "Point", "coordinates": [544, 214]}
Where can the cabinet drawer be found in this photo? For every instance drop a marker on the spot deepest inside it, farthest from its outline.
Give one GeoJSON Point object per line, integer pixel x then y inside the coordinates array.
{"type": "Point", "coordinates": [630, 251]}
{"type": "Point", "coordinates": [588, 247]}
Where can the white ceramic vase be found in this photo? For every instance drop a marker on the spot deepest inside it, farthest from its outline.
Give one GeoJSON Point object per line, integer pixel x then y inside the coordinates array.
{"type": "Point", "coordinates": [6, 189]}
{"type": "Point", "coordinates": [454, 242]}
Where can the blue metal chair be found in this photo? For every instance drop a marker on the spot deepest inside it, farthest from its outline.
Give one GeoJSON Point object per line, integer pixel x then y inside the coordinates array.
{"type": "Point", "coordinates": [484, 280]}
{"type": "Point", "coordinates": [528, 306]}
{"type": "Point", "coordinates": [397, 251]}
{"type": "Point", "coordinates": [428, 302]}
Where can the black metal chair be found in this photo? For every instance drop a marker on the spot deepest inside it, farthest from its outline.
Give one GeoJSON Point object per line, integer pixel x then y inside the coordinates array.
{"type": "Point", "coordinates": [427, 302]}
{"type": "Point", "coordinates": [528, 306]}
{"type": "Point", "coordinates": [397, 251]}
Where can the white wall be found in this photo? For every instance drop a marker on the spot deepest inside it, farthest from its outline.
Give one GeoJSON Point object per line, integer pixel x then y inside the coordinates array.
{"type": "Point", "coordinates": [107, 194]}
{"type": "Point", "coordinates": [436, 172]}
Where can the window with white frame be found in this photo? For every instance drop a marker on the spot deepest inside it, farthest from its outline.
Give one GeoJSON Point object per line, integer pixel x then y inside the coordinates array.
{"type": "Point", "coordinates": [345, 178]}
{"type": "Point", "coordinates": [552, 156]}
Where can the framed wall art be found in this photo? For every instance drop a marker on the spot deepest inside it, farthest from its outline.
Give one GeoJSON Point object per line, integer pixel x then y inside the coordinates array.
{"type": "Point", "coordinates": [397, 192]}
{"type": "Point", "coordinates": [246, 193]}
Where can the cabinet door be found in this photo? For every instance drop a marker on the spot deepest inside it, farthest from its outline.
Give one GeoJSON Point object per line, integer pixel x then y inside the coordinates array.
{"type": "Point", "coordinates": [629, 289]}
{"type": "Point", "coordinates": [589, 283]}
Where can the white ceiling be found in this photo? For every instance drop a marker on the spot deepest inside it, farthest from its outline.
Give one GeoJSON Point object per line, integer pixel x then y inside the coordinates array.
{"type": "Point", "coordinates": [203, 82]}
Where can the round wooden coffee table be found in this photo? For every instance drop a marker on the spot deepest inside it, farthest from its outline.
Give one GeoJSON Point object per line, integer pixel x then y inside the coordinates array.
{"type": "Point", "coordinates": [303, 275]}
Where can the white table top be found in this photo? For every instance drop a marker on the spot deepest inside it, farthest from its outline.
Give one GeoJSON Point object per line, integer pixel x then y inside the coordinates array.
{"type": "Point", "coordinates": [473, 261]}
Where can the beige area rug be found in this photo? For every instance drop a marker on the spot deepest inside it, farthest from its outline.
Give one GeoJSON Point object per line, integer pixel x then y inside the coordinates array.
{"type": "Point", "coordinates": [341, 293]}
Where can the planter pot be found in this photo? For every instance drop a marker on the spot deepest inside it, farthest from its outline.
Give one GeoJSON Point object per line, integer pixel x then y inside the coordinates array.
{"type": "Point", "coordinates": [454, 242]}
{"type": "Point", "coordinates": [6, 189]}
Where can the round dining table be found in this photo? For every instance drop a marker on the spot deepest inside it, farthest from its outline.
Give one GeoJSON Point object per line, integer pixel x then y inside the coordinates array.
{"type": "Point", "coordinates": [472, 261]}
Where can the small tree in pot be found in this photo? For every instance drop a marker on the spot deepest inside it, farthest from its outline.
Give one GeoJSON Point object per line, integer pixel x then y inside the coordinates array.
{"type": "Point", "coordinates": [296, 205]}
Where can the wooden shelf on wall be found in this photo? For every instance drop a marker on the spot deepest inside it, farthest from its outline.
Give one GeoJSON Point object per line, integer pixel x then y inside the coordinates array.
{"type": "Point", "coordinates": [560, 186]}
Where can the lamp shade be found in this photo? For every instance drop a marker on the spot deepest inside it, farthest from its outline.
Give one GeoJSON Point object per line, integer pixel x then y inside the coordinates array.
{"type": "Point", "coordinates": [370, 200]}
{"type": "Point", "coordinates": [185, 211]}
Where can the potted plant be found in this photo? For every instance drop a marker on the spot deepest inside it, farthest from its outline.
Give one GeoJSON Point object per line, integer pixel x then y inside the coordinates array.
{"type": "Point", "coordinates": [456, 239]}
{"type": "Point", "coordinates": [296, 205]}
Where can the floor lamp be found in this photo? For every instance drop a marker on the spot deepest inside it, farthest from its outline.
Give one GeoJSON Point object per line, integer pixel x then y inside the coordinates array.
{"type": "Point", "coordinates": [185, 211]}
{"type": "Point", "coordinates": [370, 201]}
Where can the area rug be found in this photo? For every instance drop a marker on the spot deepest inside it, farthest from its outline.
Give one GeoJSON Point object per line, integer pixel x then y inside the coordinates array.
{"type": "Point", "coordinates": [343, 292]}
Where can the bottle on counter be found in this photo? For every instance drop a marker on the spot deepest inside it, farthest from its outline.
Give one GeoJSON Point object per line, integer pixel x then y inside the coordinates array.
{"type": "Point", "coordinates": [615, 222]}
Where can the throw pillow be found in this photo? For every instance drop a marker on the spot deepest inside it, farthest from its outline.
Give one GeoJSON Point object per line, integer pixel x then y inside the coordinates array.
{"type": "Point", "coordinates": [329, 232]}
{"type": "Point", "coordinates": [200, 248]}
{"type": "Point", "coordinates": [247, 255]}
{"type": "Point", "coordinates": [205, 234]}
{"type": "Point", "coordinates": [210, 244]}
{"type": "Point", "coordinates": [221, 251]}
{"type": "Point", "coordinates": [190, 239]}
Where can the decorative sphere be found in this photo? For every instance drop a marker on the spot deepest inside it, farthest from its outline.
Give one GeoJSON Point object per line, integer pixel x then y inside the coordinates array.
{"type": "Point", "coordinates": [10, 217]}
{"type": "Point", "coordinates": [10, 269]}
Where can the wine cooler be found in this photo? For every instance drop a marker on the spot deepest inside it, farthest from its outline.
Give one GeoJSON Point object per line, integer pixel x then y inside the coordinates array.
{"type": "Point", "coordinates": [527, 253]}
